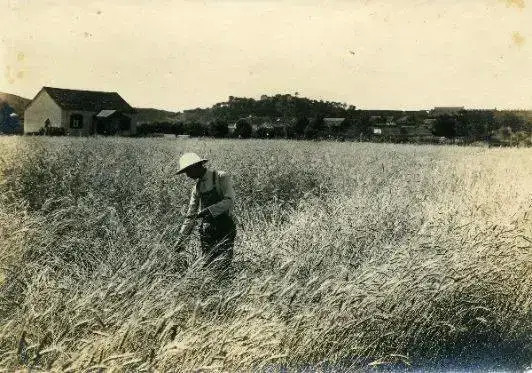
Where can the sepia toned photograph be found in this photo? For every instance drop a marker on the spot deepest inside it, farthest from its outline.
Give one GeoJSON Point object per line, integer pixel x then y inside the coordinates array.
{"type": "Point", "coordinates": [266, 186]}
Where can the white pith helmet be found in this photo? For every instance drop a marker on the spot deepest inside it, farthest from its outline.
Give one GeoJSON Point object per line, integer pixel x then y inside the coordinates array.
{"type": "Point", "coordinates": [189, 159]}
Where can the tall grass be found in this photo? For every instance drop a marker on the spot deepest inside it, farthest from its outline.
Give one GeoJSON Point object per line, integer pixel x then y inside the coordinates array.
{"type": "Point", "coordinates": [348, 256]}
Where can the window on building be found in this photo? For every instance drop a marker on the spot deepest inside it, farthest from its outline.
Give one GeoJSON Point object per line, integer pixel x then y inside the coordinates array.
{"type": "Point", "coordinates": [47, 123]}
{"type": "Point", "coordinates": [76, 121]}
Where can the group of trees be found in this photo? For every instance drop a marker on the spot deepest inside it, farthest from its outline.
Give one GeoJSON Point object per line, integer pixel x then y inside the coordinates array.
{"type": "Point", "coordinates": [469, 125]}
{"type": "Point", "coordinates": [302, 128]}
{"type": "Point", "coordinates": [278, 106]}
{"type": "Point", "coordinates": [303, 118]}
{"type": "Point", "coordinates": [474, 125]}
{"type": "Point", "coordinates": [9, 121]}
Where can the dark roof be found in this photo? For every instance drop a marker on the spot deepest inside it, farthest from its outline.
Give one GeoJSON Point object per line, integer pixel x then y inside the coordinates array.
{"type": "Point", "coordinates": [417, 131]}
{"type": "Point", "coordinates": [333, 122]}
{"type": "Point", "coordinates": [403, 119]}
{"type": "Point", "coordinates": [73, 99]}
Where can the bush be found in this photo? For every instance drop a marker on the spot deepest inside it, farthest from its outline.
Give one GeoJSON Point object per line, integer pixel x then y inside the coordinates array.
{"type": "Point", "coordinates": [263, 133]}
{"type": "Point", "coordinates": [194, 129]}
{"type": "Point", "coordinates": [243, 129]}
{"type": "Point", "coordinates": [315, 129]}
{"type": "Point", "coordinates": [218, 128]}
{"type": "Point", "coordinates": [52, 131]}
{"type": "Point", "coordinates": [445, 125]}
{"type": "Point", "coordinates": [300, 126]}
{"type": "Point", "coordinates": [175, 128]}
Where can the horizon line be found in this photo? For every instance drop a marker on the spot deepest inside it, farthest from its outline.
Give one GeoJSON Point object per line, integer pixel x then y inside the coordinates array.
{"type": "Point", "coordinates": [303, 97]}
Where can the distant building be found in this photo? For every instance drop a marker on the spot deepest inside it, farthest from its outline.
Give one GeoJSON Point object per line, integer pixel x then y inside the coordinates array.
{"type": "Point", "coordinates": [429, 122]}
{"type": "Point", "coordinates": [419, 132]}
{"type": "Point", "coordinates": [386, 131]}
{"type": "Point", "coordinates": [80, 112]}
{"type": "Point", "coordinates": [376, 119]}
{"type": "Point", "coordinates": [403, 120]}
{"type": "Point", "coordinates": [333, 122]}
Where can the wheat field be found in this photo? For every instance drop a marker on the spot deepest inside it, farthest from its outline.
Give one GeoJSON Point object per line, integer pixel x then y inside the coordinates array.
{"type": "Point", "coordinates": [349, 256]}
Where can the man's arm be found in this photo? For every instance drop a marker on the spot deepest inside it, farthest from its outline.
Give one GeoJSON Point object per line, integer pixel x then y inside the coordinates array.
{"type": "Point", "coordinates": [190, 218]}
{"type": "Point", "coordinates": [228, 194]}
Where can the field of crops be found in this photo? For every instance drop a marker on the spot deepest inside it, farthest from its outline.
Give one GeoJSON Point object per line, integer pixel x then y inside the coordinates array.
{"type": "Point", "coordinates": [348, 256]}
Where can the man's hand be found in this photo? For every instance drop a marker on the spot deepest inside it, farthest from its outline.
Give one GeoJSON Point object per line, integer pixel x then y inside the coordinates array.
{"type": "Point", "coordinates": [204, 213]}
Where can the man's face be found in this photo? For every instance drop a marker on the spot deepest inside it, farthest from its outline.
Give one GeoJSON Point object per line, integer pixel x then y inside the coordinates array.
{"type": "Point", "coordinates": [195, 172]}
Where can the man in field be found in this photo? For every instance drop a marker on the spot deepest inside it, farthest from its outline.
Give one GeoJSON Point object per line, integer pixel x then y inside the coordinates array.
{"type": "Point", "coordinates": [211, 201]}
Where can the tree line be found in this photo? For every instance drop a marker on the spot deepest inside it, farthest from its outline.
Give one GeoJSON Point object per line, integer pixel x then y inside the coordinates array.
{"type": "Point", "coordinates": [467, 125]}
{"type": "Point", "coordinates": [301, 127]}
{"type": "Point", "coordinates": [475, 125]}
{"type": "Point", "coordinates": [278, 106]}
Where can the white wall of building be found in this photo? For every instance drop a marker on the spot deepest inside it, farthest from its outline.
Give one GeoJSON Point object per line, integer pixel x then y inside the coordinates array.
{"type": "Point", "coordinates": [43, 107]}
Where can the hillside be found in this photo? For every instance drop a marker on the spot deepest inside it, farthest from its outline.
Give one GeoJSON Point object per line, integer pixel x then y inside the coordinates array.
{"type": "Point", "coordinates": [156, 115]}
{"type": "Point", "coordinates": [277, 106]}
{"type": "Point", "coordinates": [16, 102]}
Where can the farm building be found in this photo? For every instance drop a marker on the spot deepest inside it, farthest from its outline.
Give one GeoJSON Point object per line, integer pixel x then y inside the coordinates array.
{"type": "Point", "coordinates": [380, 120]}
{"type": "Point", "coordinates": [413, 133]}
{"type": "Point", "coordinates": [333, 122]}
{"type": "Point", "coordinates": [387, 131]}
{"type": "Point", "coordinates": [79, 113]}
{"type": "Point", "coordinates": [337, 126]}
{"type": "Point", "coordinates": [419, 133]}
{"type": "Point", "coordinates": [402, 120]}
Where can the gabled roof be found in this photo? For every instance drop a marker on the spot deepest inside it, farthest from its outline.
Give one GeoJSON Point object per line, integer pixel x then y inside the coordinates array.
{"type": "Point", "coordinates": [339, 120]}
{"type": "Point", "coordinates": [333, 122]}
{"type": "Point", "coordinates": [403, 119]}
{"type": "Point", "coordinates": [73, 99]}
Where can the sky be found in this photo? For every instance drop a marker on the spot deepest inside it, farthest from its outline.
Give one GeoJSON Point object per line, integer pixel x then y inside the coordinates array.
{"type": "Point", "coordinates": [176, 55]}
